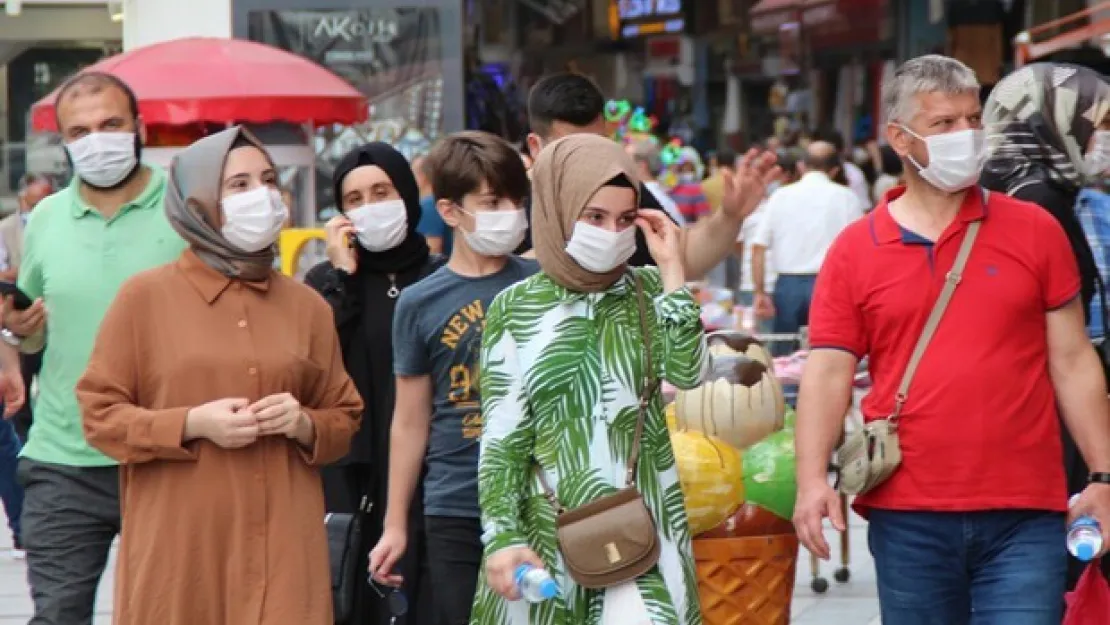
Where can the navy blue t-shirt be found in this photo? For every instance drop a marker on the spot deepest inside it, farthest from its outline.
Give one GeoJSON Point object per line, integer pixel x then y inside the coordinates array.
{"type": "Point", "coordinates": [432, 224]}
{"type": "Point", "coordinates": [437, 331]}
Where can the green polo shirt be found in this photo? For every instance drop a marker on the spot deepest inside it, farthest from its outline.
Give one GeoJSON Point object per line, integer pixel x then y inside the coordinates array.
{"type": "Point", "coordinates": [76, 260]}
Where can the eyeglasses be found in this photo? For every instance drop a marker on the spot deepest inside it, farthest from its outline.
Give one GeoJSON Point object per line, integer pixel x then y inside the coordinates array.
{"type": "Point", "coordinates": [395, 599]}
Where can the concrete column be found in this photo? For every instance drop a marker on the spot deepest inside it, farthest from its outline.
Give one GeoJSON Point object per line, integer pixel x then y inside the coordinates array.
{"type": "Point", "coordinates": [152, 21]}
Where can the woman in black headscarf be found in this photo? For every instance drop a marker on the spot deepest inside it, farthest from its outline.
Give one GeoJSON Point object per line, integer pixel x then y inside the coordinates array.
{"type": "Point", "coordinates": [373, 252]}
{"type": "Point", "coordinates": [1041, 124]}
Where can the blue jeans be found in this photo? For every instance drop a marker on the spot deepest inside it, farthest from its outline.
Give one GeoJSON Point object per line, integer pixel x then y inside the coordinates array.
{"type": "Point", "coordinates": [1005, 567]}
{"type": "Point", "coordinates": [11, 493]}
{"type": "Point", "coordinates": [792, 296]}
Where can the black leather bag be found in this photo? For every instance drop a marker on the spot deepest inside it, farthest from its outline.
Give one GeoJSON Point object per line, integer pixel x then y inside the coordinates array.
{"type": "Point", "coordinates": [344, 550]}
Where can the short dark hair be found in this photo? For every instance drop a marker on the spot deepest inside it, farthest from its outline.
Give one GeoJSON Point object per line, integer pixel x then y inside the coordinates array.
{"type": "Point", "coordinates": [94, 82]}
{"type": "Point", "coordinates": [459, 163]}
{"type": "Point", "coordinates": [788, 162]}
{"type": "Point", "coordinates": [569, 98]}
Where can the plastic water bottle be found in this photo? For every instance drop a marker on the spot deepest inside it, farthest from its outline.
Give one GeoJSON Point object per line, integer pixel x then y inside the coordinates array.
{"type": "Point", "coordinates": [535, 585]}
{"type": "Point", "coordinates": [1084, 537]}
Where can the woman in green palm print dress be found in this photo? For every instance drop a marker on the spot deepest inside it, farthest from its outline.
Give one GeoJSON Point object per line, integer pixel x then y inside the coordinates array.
{"type": "Point", "coordinates": [562, 367]}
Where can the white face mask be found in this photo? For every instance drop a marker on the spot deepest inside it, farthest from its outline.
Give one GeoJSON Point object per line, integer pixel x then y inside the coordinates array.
{"type": "Point", "coordinates": [955, 159]}
{"type": "Point", "coordinates": [496, 233]}
{"type": "Point", "coordinates": [600, 250]}
{"type": "Point", "coordinates": [252, 220]}
{"type": "Point", "coordinates": [103, 159]}
{"type": "Point", "coordinates": [381, 226]}
{"type": "Point", "coordinates": [1097, 161]}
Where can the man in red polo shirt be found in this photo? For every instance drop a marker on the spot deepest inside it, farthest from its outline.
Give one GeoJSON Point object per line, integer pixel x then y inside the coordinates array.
{"type": "Point", "coordinates": [971, 527]}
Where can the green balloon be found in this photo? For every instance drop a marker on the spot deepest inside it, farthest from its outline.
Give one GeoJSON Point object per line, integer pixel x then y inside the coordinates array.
{"type": "Point", "coordinates": [770, 477]}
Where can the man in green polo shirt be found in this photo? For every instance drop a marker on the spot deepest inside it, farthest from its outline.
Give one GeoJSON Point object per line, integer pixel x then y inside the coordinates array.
{"type": "Point", "coordinates": [81, 244]}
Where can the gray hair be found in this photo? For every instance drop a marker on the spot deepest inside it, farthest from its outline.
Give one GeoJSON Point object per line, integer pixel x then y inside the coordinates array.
{"type": "Point", "coordinates": [648, 152]}
{"type": "Point", "coordinates": [932, 73]}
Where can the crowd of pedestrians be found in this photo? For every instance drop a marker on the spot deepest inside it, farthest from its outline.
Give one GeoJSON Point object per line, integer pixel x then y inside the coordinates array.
{"type": "Point", "coordinates": [481, 353]}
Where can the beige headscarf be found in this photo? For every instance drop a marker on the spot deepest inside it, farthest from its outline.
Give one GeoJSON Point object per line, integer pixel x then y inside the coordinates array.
{"type": "Point", "coordinates": [566, 175]}
{"type": "Point", "coordinates": [193, 206]}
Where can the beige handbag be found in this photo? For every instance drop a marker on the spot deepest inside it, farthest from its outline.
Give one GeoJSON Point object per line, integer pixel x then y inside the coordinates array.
{"type": "Point", "coordinates": [613, 539]}
{"type": "Point", "coordinates": [867, 457]}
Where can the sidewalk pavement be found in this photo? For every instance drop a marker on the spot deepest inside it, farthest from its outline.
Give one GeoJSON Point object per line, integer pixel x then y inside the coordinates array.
{"type": "Point", "coordinates": [852, 603]}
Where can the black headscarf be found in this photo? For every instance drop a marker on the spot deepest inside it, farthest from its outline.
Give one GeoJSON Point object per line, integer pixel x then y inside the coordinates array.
{"type": "Point", "coordinates": [413, 251]}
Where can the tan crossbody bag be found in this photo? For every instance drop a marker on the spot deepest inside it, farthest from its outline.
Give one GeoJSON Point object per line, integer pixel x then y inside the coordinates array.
{"type": "Point", "coordinates": [869, 456]}
{"type": "Point", "coordinates": [613, 539]}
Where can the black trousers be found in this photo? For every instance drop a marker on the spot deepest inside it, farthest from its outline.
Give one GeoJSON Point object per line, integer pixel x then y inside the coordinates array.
{"type": "Point", "coordinates": [344, 487]}
{"type": "Point", "coordinates": [456, 545]}
{"type": "Point", "coordinates": [71, 516]}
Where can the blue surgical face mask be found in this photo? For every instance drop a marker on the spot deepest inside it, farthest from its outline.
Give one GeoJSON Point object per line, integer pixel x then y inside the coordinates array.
{"type": "Point", "coordinates": [687, 178]}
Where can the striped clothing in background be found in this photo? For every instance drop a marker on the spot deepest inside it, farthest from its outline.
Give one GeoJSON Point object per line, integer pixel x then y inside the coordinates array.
{"type": "Point", "coordinates": [1093, 208]}
{"type": "Point", "coordinates": [691, 201]}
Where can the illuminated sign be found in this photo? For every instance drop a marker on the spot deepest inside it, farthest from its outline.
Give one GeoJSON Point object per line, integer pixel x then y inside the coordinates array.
{"type": "Point", "coordinates": [639, 18]}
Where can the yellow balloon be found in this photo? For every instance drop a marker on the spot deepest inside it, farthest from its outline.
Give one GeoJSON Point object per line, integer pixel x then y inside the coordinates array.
{"type": "Point", "coordinates": [710, 471]}
{"type": "Point", "coordinates": [672, 417]}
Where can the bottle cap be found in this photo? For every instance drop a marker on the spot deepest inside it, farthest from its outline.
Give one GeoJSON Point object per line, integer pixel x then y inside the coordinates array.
{"type": "Point", "coordinates": [549, 589]}
{"type": "Point", "coordinates": [1084, 552]}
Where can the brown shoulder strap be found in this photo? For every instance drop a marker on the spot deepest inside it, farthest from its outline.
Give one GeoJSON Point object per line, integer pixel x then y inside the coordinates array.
{"type": "Point", "coordinates": [950, 282]}
{"type": "Point", "coordinates": [651, 385]}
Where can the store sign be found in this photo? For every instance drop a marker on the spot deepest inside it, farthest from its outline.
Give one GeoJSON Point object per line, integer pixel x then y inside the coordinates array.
{"type": "Point", "coordinates": [356, 26]}
{"type": "Point", "coordinates": [640, 18]}
{"type": "Point", "coordinates": [393, 56]}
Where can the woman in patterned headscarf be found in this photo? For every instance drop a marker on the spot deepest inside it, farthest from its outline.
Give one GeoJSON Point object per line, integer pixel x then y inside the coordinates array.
{"type": "Point", "coordinates": [1042, 126]}
{"type": "Point", "coordinates": [1041, 122]}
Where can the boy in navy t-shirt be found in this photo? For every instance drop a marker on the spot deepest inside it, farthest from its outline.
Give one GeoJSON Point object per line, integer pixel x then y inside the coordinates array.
{"type": "Point", "coordinates": [480, 183]}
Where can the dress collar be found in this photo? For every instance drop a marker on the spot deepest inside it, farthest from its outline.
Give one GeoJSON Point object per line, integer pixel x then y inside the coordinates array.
{"type": "Point", "coordinates": [209, 282]}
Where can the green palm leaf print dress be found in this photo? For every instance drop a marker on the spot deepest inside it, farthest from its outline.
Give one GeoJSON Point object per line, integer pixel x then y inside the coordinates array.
{"type": "Point", "coordinates": [561, 374]}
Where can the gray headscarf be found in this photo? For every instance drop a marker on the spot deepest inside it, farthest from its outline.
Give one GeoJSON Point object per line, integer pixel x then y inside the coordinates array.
{"type": "Point", "coordinates": [193, 205]}
{"type": "Point", "coordinates": [1039, 120]}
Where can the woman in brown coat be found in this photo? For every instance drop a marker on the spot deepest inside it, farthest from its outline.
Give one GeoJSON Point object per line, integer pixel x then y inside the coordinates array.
{"type": "Point", "coordinates": [218, 385]}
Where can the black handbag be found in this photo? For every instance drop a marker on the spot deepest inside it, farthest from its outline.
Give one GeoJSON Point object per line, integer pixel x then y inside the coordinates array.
{"type": "Point", "coordinates": [344, 550]}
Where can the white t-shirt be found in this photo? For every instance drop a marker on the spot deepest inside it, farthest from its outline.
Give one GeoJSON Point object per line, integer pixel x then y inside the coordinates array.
{"type": "Point", "coordinates": [802, 221]}
{"type": "Point", "coordinates": [747, 234]}
{"type": "Point", "coordinates": [858, 183]}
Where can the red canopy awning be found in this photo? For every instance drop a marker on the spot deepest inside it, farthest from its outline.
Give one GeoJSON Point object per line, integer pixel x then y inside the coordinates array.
{"type": "Point", "coordinates": [206, 79]}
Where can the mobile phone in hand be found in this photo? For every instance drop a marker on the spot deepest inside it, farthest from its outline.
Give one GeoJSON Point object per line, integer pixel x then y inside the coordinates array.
{"type": "Point", "coordinates": [21, 300]}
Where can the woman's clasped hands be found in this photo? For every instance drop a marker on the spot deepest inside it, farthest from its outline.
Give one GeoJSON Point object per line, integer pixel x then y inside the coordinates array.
{"type": "Point", "coordinates": [232, 423]}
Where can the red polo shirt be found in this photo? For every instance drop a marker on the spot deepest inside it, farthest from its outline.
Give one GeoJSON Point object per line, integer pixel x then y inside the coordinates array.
{"type": "Point", "coordinates": [980, 428]}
